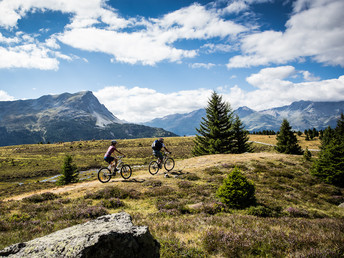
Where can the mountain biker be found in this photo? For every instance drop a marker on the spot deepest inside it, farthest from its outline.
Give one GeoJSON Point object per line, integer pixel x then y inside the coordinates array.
{"type": "Point", "coordinates": [109, 159]}
{"type": "Point", "coordinates": [157, 145]}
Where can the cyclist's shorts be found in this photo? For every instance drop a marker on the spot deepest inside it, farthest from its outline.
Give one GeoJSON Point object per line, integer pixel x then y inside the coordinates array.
{"type": "Point", "coordinates": [109, 159]}
{"type": "Point", "coordinates": [157, 154]}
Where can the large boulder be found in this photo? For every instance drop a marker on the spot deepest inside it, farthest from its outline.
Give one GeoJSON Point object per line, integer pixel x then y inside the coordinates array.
{"type": "Point", "coordinates": [107, 236]}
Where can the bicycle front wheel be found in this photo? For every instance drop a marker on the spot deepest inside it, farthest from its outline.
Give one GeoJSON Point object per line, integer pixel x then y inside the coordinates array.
{"type": "Point", "coordinates": [153, 167]}
{"type": "Point", "coordinates": [126, 171]}
{"type": "Point", "coordinates": [104, 175]}
{"type": "Point", "coordinates": [169, 164]}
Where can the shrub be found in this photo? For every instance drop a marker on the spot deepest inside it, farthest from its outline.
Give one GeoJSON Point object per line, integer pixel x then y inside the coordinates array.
{"type": "Point", "coordinates": [297, 213]}
{"type": "Point", "coordinates": [41, 197]}
{"type": "Point", "coordinates": [263, 211]}
{"type": "Point", "coordinates": [237, 191]}
{"type": "Point", "coordinates": [307, 155]}
{"type": "Point", "coordinates": [112, 203]}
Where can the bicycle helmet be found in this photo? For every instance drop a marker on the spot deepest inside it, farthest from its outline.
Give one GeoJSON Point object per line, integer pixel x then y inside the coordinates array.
{"type": "Point", "coordinates": [161, 140]}
{"type": "Point", "coordinates": [113, 142]}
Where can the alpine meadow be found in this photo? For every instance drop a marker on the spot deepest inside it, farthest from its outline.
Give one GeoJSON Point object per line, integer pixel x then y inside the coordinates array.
{"type": "Point", "coordinates": [295, 214]}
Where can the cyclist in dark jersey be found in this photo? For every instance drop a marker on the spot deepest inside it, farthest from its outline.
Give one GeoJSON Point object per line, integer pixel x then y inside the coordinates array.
{"type": "Point", "coordinates": [108, 158]}
{"type": "Point", "coordinates": [157, 145]}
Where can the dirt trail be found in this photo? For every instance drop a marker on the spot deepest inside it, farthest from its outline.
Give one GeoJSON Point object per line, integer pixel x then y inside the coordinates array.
{"type": "Point", "coordinates": [187, 165]}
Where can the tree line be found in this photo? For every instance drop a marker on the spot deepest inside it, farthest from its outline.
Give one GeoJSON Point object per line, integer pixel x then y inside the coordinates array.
{"type": "Point", "coordinates": [222, 132]}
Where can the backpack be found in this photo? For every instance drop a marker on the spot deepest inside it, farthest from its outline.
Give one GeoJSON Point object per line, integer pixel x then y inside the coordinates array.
{"type": "Point", "coordinates": [157, 145]}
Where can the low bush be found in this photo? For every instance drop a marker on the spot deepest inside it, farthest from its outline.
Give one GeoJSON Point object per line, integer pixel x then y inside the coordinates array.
{"type": "Point", "coordinates": [36, 198]}
{"type": "Point", "coordinates": [237, 191]}
{"type": "Point", "coordinates": [112, 203]}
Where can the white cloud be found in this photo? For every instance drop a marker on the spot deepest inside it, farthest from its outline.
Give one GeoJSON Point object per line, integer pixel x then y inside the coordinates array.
{"type": "Point", "coordinates": [143, 104]}
{"type": "Point", "coordinates": [95, 26]}
{"type": "Point", "coordinates": [274, 90]}
{"type": "Point", "coordinates": [201, 65]}
{"type": "Point", "coordinates": [315, 30]}
{"type": "Point", "coordinates": [152, 40]}
{"type": "Point", "coordinates": [5, 97]}
{"type": "Point", "coordinates": [27, 56]}
{"type": "Point", "coordinates": [309, 77]}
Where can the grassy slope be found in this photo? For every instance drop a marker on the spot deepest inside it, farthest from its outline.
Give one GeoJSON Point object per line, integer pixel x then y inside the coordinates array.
{"type": "Point", "coordinates": [296, 214]}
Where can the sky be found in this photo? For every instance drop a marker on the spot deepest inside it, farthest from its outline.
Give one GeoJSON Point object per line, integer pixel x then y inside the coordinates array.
{"type": "Point", "coordinates": [145, 59]}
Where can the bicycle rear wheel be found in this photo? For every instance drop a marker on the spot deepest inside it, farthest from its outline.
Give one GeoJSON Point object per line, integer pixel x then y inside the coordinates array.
{"type": "Point", "coordinates": [169, 164]}
{"type": "Point", "coordinates": [104, 175]}
{"type": "Point", "coordinates": [126, 171]}
{"type": "Point", "coordinates": [153, 167]}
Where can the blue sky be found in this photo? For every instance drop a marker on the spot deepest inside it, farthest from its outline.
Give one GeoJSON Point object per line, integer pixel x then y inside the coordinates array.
{"type": "Point", "coordinates": [149, 58]}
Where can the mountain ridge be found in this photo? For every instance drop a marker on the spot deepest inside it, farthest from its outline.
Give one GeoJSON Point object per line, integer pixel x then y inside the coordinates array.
{"type": "Point", "coordinates": [65, 117]}
{"type": "Point", "coordinates": [300, 114]}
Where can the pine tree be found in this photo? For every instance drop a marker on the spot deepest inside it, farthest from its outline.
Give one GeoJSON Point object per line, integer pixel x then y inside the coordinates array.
{"type": "Point", "coordinates": [215, 132]}
{"type": "Point", "coordinates": [287, 141]}
{"type": "Point", "coordinates": [69, 172]}
{"type": "Point", "coordinates": [240, 138]}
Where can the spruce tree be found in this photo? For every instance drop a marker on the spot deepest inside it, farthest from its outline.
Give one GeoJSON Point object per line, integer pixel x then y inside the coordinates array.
{"type": "Point", "coordinates": [330, 164]}
{"type": "Point", "coordinates": [240, 138]}
{"type": "Point", "coordinates": [69, 172]}
{"type": "Point", "coordinates": [215, 134]}
{"type": "Point", "coordinates": [287, 141]}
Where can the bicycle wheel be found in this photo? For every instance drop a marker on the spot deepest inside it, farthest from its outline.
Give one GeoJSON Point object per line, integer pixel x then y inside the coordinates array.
{"type": "Point", "coordinates": [104, 175]}
{"type": "Point", "coordinates": [153, 167]}
{"type": "Point", "coordinates": [126, 171]}
{"type": "Point", "coordinates": [169, 164]}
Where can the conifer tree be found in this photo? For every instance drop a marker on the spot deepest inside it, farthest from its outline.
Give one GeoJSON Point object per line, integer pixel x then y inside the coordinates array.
{"type": "Point", "coordinates": [215, 134]}
{"type": "Point", "coordinates": [69, 172]}
{"type": "Point", "coordinates": [330, 164]}
{"type": "Point", "coordinates": [287, 141]}
{"type": "Point", "coordinates": [240, 138]}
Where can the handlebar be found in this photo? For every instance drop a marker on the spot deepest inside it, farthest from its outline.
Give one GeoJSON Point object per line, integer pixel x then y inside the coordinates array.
{"type": "Point", "coordinates": [121, 156]}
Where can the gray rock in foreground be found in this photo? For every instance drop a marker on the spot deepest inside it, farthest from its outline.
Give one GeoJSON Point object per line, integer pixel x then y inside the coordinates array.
{"type": "Point", "coordinates": [107, 236]}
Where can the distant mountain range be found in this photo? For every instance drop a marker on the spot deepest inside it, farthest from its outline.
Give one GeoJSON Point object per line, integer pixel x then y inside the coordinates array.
{"type": "Point", "coordinates": [65, 117]}
{"type": "Point", "coordinates": [301, 115]}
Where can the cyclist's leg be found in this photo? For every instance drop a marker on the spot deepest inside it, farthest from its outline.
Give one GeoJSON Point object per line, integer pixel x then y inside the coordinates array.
{"type": "Point", "coordinates": [160, 158]}
{"type": "Point", "coordinates": [114, 164]}
{"type": "Point", "coordinates": [158, 155]}
{"type": "Point", "coordinates": [109, 160]}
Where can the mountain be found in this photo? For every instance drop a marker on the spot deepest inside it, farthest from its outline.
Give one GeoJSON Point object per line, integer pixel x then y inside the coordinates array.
{"type": "Point", "coordinates": [65, 117]}
{"type": "Point", "coordinates": [301, 115]}
{"type": "Point", "coordinates": [180, 124]}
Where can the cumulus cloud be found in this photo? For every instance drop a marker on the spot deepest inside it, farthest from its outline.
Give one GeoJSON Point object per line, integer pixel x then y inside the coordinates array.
{"type": "Point", "coordinates": [315, 30]}
{"type": "Point", "coordinates": [4, 96]}
{"type": "Point", "coordinates": [95, 26]}
{"type": "Point", "coordinates": [273, 89]}
{"type": "Point", "coordinates": [143, 104]}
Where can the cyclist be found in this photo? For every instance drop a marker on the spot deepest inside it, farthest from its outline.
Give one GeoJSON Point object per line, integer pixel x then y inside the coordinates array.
{"type": "Point", "coordinates": [109, 159]}
{"type": "Point", "coordinates": [157, 145]}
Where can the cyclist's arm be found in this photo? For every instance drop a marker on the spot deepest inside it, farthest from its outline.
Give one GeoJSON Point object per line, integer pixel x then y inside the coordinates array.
{"type": "Point", "coordinates": [166, 149]}
{"type": "Point", "coordinates": [120, 152]}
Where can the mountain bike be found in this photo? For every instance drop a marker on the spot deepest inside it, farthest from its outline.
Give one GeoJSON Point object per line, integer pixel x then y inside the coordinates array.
{"type": "Point", "coordinates": [168, 162]}
{"type": "Point", "coordinates": [105, 174]}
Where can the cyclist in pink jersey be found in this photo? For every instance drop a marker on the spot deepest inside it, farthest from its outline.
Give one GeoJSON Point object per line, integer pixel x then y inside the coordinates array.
{"type": "Point", "coordinates": [108, 158]}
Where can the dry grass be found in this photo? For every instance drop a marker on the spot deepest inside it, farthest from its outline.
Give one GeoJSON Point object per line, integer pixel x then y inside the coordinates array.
{"type": "Point", "coordinates": [296, 215]}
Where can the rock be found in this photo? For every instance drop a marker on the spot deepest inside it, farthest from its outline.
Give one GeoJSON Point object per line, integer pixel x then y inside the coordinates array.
{"type": "Point", "coordinates": [341, 205]}
{"type": "Point", "coordinates": [107, 236]}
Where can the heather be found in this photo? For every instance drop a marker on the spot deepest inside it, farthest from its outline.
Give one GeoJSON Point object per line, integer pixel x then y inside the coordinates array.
{"type": "Point", "coordinates": [295, 214]}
